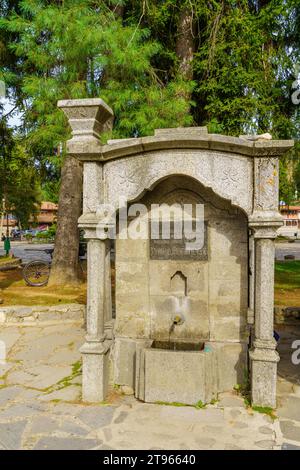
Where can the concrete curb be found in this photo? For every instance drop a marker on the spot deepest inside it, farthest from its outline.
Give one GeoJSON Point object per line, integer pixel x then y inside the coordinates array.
{"type": "Point", "coordinates": [40, 313]}
{"type": "Point", "coordinates": [11, 265]}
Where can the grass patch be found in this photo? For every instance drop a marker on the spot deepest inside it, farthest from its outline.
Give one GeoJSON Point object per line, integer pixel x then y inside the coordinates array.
{"type": "Point", "coordinates": [287, 274]}
{"type": "Point", "coordinates": [287, 283]}
{"type": "Point", "coordinates": [244, 389]}
{"type": "Point", "coordinates": [7, 260]}
{"type": "Point", "coordinates": [199, 405]}
{"type": "Point", "coordinates": [14, 291]}
{"type": "Point", "coordinates": [213, 401]}
{"type": "Point", "coordinates": [265, 410]}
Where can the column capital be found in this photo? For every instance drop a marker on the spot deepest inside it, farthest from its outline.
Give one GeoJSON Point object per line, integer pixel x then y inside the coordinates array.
{"type": "Point", "coordinates": [88, 119]}
{"type": "Point", "coordinates": [265, 223]}
{"type": "Point", "coordinates": [95, 228]}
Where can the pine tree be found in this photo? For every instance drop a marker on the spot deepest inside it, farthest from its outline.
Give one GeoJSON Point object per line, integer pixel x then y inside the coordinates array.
{"type": "Point", "coordinates": [19, 182]}
{"type": "Point", "coordinates": [241, 61]}
{"type": "Point", "coordinates": [78, 49]}
{"type": "Point", "coordinates": [157, 63]}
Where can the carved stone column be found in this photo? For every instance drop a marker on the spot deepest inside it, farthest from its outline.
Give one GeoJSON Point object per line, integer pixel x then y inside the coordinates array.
{"type": "Point", "coordinates": [95, 350]}
{"type": "Point", "coordinates": [263, 355]}
{"type": "Point", "coordinates": [88, 119]}
{"type": "Point", "coordinates": [264, 221]}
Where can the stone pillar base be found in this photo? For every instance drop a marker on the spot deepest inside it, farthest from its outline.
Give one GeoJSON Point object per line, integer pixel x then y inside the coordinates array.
{"type": "Point", "coordinates": [95, 371]}
{"type": "Point", "coordinates": [263, 376]}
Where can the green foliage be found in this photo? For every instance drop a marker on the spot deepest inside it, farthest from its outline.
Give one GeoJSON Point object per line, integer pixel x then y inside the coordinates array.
{"type": "Point", "coordinates": [42, 235]}
{"type": "Point", "coordinates": [19, 185]}
{"type": "Point", "coordinates": [78, 49]}
{"type": "Point", "coordinates": [47, 234]}
{"type": "Point", "coordinates": [244, 59]}
{"type": "Point", "coordinates": [199, 405]}
{"type": "Point", "coordinates": [52, 230]}
{"type": "Point", "coordinates": [265, 410]}
{"type": "Point", "coordinates": [244, 388]}
{"type": "Point", "coordinates": [243, 67]}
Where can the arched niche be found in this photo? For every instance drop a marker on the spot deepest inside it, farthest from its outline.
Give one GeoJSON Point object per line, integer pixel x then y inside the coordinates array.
{"type": "Point", "coordinates": [210, 290]}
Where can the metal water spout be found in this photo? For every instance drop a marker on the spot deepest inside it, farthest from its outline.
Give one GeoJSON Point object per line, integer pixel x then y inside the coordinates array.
{"type": "Point", "coordinates": [177, 319]}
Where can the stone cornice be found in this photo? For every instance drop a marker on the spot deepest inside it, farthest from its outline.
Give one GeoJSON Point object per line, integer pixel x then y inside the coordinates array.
{"type": "Point", "coordinates": [129, 147]}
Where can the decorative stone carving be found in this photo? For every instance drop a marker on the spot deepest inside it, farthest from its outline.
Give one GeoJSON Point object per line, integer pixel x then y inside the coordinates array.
{"type": "Point", "coordinates": [92, 186]}
{"type": "Point", "coordinates": [266, 171]}
{"type": "Point", "coordinates": [229, 175]}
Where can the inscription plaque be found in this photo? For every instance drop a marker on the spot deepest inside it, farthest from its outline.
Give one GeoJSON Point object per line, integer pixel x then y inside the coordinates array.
{"type": "Point", "coordinates": [176, 248]}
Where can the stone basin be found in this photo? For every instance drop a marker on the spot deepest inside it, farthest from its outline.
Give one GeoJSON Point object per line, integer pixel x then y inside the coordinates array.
{"type": "Point", "coordinates": [187, 374]}
{"type": "Point", "coordinates": [177, 345]}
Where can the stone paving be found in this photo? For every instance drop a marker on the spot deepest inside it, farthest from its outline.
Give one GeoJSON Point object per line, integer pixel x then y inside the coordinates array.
{"type": "Point", "coordinates": [288, 388]}
{"type": "Point", "coordinates": [40, 405]}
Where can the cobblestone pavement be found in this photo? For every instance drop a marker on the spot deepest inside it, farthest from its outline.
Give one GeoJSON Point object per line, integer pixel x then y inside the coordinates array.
{"type": "Point", "coordinates": [40, 405]}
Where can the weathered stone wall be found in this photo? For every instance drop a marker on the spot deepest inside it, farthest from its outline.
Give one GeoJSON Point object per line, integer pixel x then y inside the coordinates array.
{"type": "Point", "coordinates": [41, 313]}
{"type": "Point", "coordinates": [215, 304]}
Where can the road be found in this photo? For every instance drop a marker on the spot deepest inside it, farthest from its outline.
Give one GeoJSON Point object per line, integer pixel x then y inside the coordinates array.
{"type": "Point", "coordinates": [286, 248]}
{"type": "Point", "coordinates": [21, 250]}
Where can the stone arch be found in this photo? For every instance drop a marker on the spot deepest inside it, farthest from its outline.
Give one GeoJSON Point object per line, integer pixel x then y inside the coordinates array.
{"type": "Point", "coordinates": [228, 175]}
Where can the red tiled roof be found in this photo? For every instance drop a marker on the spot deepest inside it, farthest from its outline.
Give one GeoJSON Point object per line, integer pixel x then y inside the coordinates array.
{"type": "Point", "coordinates": [48, 206]}
{"type": "Point", "coordinates": [290, 208]}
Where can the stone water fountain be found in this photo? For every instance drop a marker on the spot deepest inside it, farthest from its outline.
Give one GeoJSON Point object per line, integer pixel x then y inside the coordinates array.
{"type": "Point", "coordinates": [227, 308]}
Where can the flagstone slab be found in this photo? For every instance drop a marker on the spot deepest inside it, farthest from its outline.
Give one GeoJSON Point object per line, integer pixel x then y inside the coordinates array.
{"type": "Point", "coordinates": [290, 409]}
{"type": "Point", "coordinates": [40, 376]}
{"type": "Point", "coordinates": [60, 443]}
{"type": "Point", "coordinates": [97, 416]}
{"type": "Point", "coordinates": [290, 430]}
{"type": "Point", "coordinates": [70, 393]}
{"type": "Point", "coordinates": [7, 394]}
{"type": "Point", "coordinates": [11, 434]}
{"type": "Point", "coordinates": [43, 425]}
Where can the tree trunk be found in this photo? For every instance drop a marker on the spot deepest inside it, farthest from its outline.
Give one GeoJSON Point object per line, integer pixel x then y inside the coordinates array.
{"type": "Point", "coordinates": [185, 43]}
{"type": "Point", "coordinates": [64, 269]}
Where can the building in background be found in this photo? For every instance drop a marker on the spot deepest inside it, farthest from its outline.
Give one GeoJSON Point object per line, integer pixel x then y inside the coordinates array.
{"type": "Point", "coordinates": [9, 221]}
{"type": "Point", "coordinates": [291, 220]}
{"type": "Point", "coordinates": [45, 216]}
